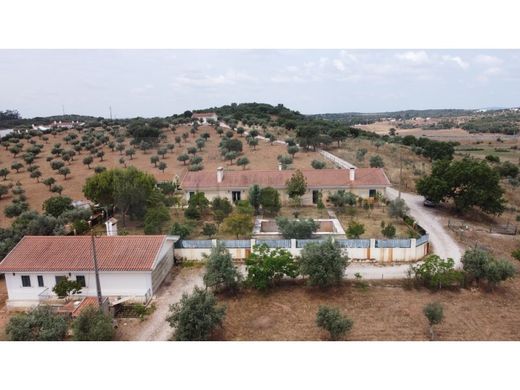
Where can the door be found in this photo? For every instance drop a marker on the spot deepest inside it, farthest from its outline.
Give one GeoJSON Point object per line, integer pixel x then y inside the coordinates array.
{"type": "Point", "coordinates": [315, 196]}
{"type": "Point", "coordinates": [235, 195]}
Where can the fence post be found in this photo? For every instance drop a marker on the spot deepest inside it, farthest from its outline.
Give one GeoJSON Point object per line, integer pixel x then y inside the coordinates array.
{"type": "Point", "coordinates": [214, 242]}
{"type": "Point", "coordinates": [413, 244]}
{"type": "Point", "coordinates": [253, 243]}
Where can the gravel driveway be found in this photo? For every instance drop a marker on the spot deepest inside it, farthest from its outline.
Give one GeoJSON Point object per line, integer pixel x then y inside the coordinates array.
{"type": "Point", "coordinates": [155, 328]}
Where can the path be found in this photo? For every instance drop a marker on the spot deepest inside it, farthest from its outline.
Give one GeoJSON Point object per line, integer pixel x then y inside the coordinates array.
{"type": "Point", "coordinates": [155, 328]}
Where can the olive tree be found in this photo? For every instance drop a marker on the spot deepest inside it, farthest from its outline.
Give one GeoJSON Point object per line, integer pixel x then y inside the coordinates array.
{"type": "Point", "coordinates": [221, 274]}
{"type": "Point", "coordinates": [93, 325]}
{"type": "Point", "coordinates": [41, 324]}
{"type": "Point", "coordinates": [434, 313]}
{"type": "Point", "coordinates": [333, 322]}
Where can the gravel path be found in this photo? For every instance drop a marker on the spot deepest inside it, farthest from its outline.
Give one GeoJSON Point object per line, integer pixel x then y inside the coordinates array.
{"type": "Point", "coordinates": [155, 328]}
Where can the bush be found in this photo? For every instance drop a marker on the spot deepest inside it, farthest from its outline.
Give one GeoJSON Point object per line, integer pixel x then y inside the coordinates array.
{"type": "Point", "coordinates": [516, 254]}
{"type": "Point", "coordinates": [388, 230]}
{"type": "Point", "coordinates": [342, 198]}
{"type": "Point", "coordinates": [397, 208]}
{"type": "Point", "coordinates": [93, 325]}
{"type": "Point", "coordinates": [209, 229]}
{"type": "Point", "coordinates": [155, 219]}
{"type": "Point", "coordinates": [221, 273]}
{"type": "Point", "coordinates": [355, 229]}
{"type": "Point", "coordinates": [270, 200]}
{"type": "Point", "coordinates": [196, 316]}
{"type": "Point", "coordinates": [266, 266]}
{"type": "Point", "coordinates": [317, 164]}
{"type": "Point", "coordinates": [323, 263]}
{"type": "Point", "coordinates": [333, 322]}
{"type": "Point", "coordinates": [41, 324]}
{"type": "Point", "coordinates": [437, 273]}
{"type": "Point", "coordinates": [65, 287]}
{"type": "Point", "coordinates": [376, 162]}
{"type": "Point", "coordinates": [479, 264]}
{"type": "Point", "coordinates": [182, 230]}
{"type": "Point", "coordinates": [57, 205]}
{"type": "Point", "coordinates": [434, 313]}
{"type": "Point", "coordinates": [299, 228]}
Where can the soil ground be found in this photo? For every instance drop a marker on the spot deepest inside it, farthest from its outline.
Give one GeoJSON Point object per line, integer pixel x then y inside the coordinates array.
{"type": "Point", "coordinates": [380, 312]}
{"type": "Point", "coordinates": [4, 316]}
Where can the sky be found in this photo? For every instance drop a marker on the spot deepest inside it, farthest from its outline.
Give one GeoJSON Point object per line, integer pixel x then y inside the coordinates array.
{"type": "Point", "coordinates": [165, 82]}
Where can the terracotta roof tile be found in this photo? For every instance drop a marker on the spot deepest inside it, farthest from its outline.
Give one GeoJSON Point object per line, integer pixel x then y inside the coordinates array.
{"type": "Point", "coordinates": [316, 178]}
{"type": "Point", "coordinates": [74, 253]}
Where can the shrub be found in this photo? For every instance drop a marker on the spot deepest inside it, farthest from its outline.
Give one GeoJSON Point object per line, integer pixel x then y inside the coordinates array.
{"type": "Point", "coordinates": [341, 198]}
{"type": "Point", "coordinates": [221, 273]}
{"type": "Point", "coordinates": [270, 200]}
{"type": "Point", "coordinates": [434, 313]}
{"type": "Point", "coordinates": [479, 264]}
{"type": "Point", "coordinates": [93, 325]}
{"type": "Point", "coordinates": [516, 254]}
{"type": "Point", "coordinates": [376, 162]}
{"type": "Point", "coordinates": [388, 230]}
{"type": "Point", "coordinates": [355, 229]}
{"type": "Point", "coordinates": [317, 164]}
{"type": "Point", "coordinates": [196, 316]}
{"type": "Point", "coordinates": [397, 208]}
{"type": "Point", "coordinates": [437, 273]}
{"type": "Point", "coordinates": [41, 324]}
{"type": "Point", "coordinates": [66, 287]}
{"type": "Point", "coordinates": [266, 266]}
{"type": "Point", "coordinates": [181, 230]}
{"type": "Point", "coordinates": [209, 229]}
{"type": "Point", "coordinates": [333, 322]}
{"type": "Point", "coordinates": [299, 229]}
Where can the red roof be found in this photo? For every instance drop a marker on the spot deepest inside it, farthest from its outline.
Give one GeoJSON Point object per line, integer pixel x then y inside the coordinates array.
{"type": "Point", "coordinates": [74, 253]}
{"type": "Point", "coordinates": [316, 178]}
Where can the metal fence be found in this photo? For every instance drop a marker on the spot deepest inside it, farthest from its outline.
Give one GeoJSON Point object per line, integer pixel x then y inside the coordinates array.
{"type": "Point", "coordinates": [354, 243]}
{"type": "Point", "coordinates": [397, 243]}
{"type": "Point", "coordinates": [302, 243]}
{"type": "Point", "coordinates": [193, 244]}
{"type": "Point", "coordinates": [236, 243]}
{"type": "Point", "coordinates": [275, 243]}
{"type": "Point", "coordinates": [421, 240]}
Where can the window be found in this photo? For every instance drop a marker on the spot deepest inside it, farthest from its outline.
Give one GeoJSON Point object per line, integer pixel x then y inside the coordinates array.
{"type": "Point", "coordinates": [372, 193]}
{"type": "Point", "coordinates": [235, 195]}
{"type": "Point", "coordinates": [315, 196]}
{"type": "Point", "coordinates": [60, 278]}
{"type": "Point", "coordinates": [40, 281]}
{"type": "Point", "coordinates": [81, 280]}
{"type": "Point", "coordinates": [191, 194]}
{"type": "Point", "coordinates": [26, 281]}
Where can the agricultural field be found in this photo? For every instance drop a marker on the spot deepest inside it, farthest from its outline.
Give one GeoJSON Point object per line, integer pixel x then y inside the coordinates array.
{"type": "Point", "coordinates": [264, 157]}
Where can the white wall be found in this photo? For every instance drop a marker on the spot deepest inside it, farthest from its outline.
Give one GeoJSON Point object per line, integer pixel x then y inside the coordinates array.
{"type": "Point", "coordinates": [113, 284]}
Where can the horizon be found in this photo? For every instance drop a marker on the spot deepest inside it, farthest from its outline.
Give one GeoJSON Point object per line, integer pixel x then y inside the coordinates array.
{"type": "Point", "coordinates": [149, 83]}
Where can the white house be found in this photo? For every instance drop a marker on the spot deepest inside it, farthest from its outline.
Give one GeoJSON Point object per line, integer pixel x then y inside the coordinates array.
{"type": "Point", "coordinates": [129, 266]}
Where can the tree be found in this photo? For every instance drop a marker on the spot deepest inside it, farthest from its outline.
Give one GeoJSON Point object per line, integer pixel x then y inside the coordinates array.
{"type": "Point", "coordinates": [397, 208]}
{"type": "Point", "coordinates": [36, 174]}
{"type": "Point", "coordinates": [299, 228]}
{"type": "Point", "coordinates": [66, 287]}
{"type": "Point", "coordinates": [243, 161]}
{"type": "Point", "coordinates": [230, 156]}
{"type": "Point", "coordinates": [56, 188]}
{"type": "Point", "coordinates": [181, 230]}
{"type": "Point", "coordinates": [209, 230]}
{"type": "Point", "coordinates": [254, 197]}
{"type": "Point", "coordinates": [360, 154]}
{"type": "Point", "coordinates": [434, 313]}
{"type": "Point", "coordinates": [355, 229]}
{"type": "Point", "coordinates": [200, 143]}
{"type": "Point", "coordinates": [221, 206]}
{"type": "Point", "coordinates": [317, 164]}
{"type": "Point", "coordinates": [270, 200]}
{"type": "Point", "coordinates": [333, 322]}
{"type": "Point", "coordinates": [479, 264]}
{"type": "Point", "coordinates": [285, 160]}
{"type": "Point", "coordinates": [183, 158]}
{"type": "Point", "coordinates": [292, 150]}
{"type": "Point", "coordinates": [324, 263]}
{"type": "Point", "coordinates": [154, 160]}
{"type": "Point", "coordinates": [253, 142]}
{"type": "Point", "coordinates": [162, 166]}
{"type": "Point", "coordinates": [376, 161]}
{"type": "Point", "coordinates": [64, 171]}
{"type": "Point", "coordinates": [3, 190]}
{"type": "Point", "coordinates": [4, 172]}
{"type": "Point", "coordinates": [16, 209]}
{"type": "Point", "coordinates": [388, 230]}
{"type": "Point", "coordinates": [196, 316]}
{"type": "Point", "coordinates": [93, 325]}
{"type": "Point", "coordinates": [468, 182]}
{"type": "Point", "coordinates": [267, 266]}
{"type": "Point", "coordinates": [57, 164]}
{"type": "Point", "coordinates": [221, 274]}
{"type": "Point", "coordinates": [437, 273]}
{"type": "Point", "coordinates": [199, 202]}
{"type": "Point", "coordinates": [508, 169]}
{"type": "Point", "coordinates": [16, 166]}
{"type": "Point", "coordinates": [155, 218]}
{"type": "Point", "coordinates": [238, 223]}
{"type": "Point", "coordinates": [57, 205]}
{"type": "Point", "coordinates": [130, 153]}
{"type": "Point", "coordinates": [40, 324]}
{"type": "Point", "coordinates": [342, 198]}
{"type": "Point", "coordinates": [296, 185]}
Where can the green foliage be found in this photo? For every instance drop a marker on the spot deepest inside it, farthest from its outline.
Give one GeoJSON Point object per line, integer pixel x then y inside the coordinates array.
{"type": "Point", "coordinates": [66, 287]}
{"type": "Point", "coordinates": [196, 316]}
{"type": "Point", "coordinates": [239, 223]}
{"type": "Point", "coordinates": [317, 164]}
{"type": "Point", "coordinates": [40, 324]}
{"type": "Point", "coordinates": [434, 313]}
{"type": "Point", "coordinates": [507, 169]}
{"type": "Point", "coordinates": [355, 229]}
{"type": "Point", "coordinates": [270, 200]}
{"type": "Point", "coordinates": [182, 230]}
{"type": "Point", "coordinates": [209, 229]}
{"type": "Point", "coordinates": [243, 161]}
{"type": "Point", "coordinates": [93, 325]}
{"type": "Point", "coordinates": [342, 198]}
{"type": "Point", "coordinates": [481, 265]}
{"type": "Point", "coordinates": [267, 266]}
{"type": "Point", "coordinates": [324, 263]}
{"type": "Point", "coordinates": [397, 208]}
{"type": "Point", "coordinates": [296, 185]}
{"type": "Point", "coordinates": [57, 205]}
{"type": "Point", "coordinates": [376, 161]}
{"type": "Point", "coordinates": [516, 254]}
{"type": "Point", "coordinates": [468, 182]}
{"type": "Point", "coordinates": [254, 197]}
{"type": "Point", "coordinates": [506, 124]}
{"type": "Point", "coordinates": [333, 322]}
{"type": "Point", "coordinates": [222, 207]}
{"type": "Point", "coordinates": [437, 273]}
{"type": "Point", "coordinates": [221, 274]}
{"type": "Point", "coordinates": [199, 202]}
{"type": "Point", "coordinates": [155, 219]}
{"type": "Point", "coordinates": [388, 230]}
{"type": "Point", "coordinates": [298, 228]}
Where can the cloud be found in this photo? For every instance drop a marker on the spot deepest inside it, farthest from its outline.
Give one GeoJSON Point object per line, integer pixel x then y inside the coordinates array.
{"type": "Point", "coordinates": [414, 57]}
{"type": "Point", "coordinates": [339, 65]}
{"type": "Point", "coordinates": [488, 60]}
{"type": "Point", "coordinates": [228, 78]}
{"type": "Point", "coordinates": [456, 59]}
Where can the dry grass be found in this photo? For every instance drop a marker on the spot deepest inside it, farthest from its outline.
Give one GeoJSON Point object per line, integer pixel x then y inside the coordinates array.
{"type": "Point", "coordinates": [380, 312]}
{"type": "Point", "coordinates": [264, 157]}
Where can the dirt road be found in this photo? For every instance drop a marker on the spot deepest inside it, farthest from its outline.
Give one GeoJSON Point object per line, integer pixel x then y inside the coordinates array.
{"type": "Point", "coordinates": [155, 327]}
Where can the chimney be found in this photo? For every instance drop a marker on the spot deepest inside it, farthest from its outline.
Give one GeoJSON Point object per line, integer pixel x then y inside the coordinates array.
{"type": "Point", "coordinates": [111, 225]}
{"type": "Point", "coordinates": [220, 174]}
{"type": "Point", "coordinates": [352, 174]}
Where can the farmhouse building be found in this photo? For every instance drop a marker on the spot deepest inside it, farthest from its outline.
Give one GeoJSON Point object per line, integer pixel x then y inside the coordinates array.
{"type": "Point", "coordinates": [205, 116]}
{"type": "Point", "coordinates": [129, 266]}
{"type": "Point", "coordinates": [234, 185]}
